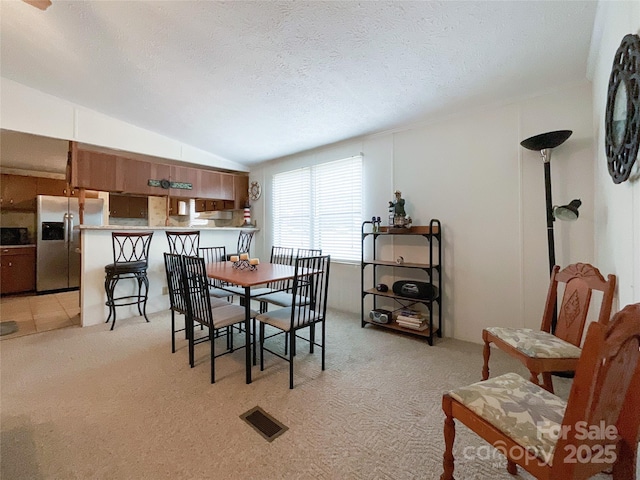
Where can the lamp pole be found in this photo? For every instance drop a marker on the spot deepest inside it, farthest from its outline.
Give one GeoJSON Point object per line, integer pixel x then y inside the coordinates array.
{"type": "Point", "coordinates": [544, 143]}
{"type": "Point", "coordinates": [546, 158]}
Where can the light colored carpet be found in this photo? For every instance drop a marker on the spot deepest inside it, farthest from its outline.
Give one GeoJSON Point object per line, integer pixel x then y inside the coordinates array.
{"type": "Point", "coordinates": [89, 403]}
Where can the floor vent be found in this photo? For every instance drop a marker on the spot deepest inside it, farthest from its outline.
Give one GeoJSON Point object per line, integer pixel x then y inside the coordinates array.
{"type": "Point", "coordinates": [7, 328]}
{"type": "Point", "coordinates": [264, 424]}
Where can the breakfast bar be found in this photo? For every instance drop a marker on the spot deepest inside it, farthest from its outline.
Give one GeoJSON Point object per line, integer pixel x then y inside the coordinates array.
{"type": "Point", "coordinates": [96, 252]}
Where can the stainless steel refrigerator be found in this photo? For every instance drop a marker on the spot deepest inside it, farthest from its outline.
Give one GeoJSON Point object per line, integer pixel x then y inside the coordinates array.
{"type": "Point", "coordinates": [58, 252]}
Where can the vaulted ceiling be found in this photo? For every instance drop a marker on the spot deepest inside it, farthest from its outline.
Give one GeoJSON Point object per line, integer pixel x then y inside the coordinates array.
{"type": "Point", "coordinates": [256, 80]}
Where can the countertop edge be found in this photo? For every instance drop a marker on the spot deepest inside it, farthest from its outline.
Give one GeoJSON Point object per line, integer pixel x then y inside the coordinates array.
{"type": "Point", "coordinates": [163, 228]}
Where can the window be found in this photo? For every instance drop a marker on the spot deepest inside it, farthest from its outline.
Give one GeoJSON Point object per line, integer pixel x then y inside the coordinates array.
{"type": "Point", "coordinates": [320, 207]}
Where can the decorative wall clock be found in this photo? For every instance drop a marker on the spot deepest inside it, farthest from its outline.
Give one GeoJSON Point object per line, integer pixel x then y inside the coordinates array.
{"type": "Point", "coordinates": [254, 191]}
{"type": "Point", "coordinates": [622, 118]}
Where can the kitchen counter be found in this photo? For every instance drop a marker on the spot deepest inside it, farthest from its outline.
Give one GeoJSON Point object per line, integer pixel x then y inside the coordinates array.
{"type": "Point", "coordinates": [29, 245]}
{"type": "Point", "coordinates": [97, 252]}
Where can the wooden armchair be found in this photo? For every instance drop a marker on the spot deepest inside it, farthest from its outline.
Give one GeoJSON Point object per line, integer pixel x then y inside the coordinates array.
{"type": "Point", "coordinates": [595, 430]}
{"type": "Point", "coordinates": [541, 351]}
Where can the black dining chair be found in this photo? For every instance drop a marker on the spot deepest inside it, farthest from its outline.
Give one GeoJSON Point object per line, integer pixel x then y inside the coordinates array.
{"type": "Point", "coordinates": [212, 255]}
{"type": "Point", "coordinates": [311, 284]}
{"type": "Point", "coordinates": [177, 299]}
{"type": "Point", "coordinates": [281, 295]}
{"type": "Point", "coordinates": [130, 261]}
{"type": "Point", "coordinates": [184, 243]}
{"type": "Point", "coordinates": [199, 310]}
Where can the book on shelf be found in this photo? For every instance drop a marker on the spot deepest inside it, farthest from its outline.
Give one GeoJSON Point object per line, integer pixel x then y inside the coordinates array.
{"type": "Point", "coordinates": [409, 313]}
{"type": "Point", "coordinates": [411, 320]}
{"type": "Point", "coordinates": [413, 326]}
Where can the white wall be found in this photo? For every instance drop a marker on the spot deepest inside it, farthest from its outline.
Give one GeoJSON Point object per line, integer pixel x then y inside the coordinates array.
{"type": "Point", "coordinates": [470, 172]}
{"type": "Point", "coordinates": [617, 207]}
{"type": "Point", "coordinates": [23, 109]}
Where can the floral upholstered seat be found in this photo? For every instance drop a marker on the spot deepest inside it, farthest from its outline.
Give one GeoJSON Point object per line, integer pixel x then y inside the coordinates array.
{"type": "Point", "coordinates": [518, 408]}
{"type": "Point", "coordinates": [595, 430]}
{"type": "Point", "coordinates": [535, 343]}
{"type": "Point", "coordinates": [555, 347]}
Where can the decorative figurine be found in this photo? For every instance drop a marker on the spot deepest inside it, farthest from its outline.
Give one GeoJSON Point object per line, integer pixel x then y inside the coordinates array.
{"type": "Point", "coordinates": [397, 215]}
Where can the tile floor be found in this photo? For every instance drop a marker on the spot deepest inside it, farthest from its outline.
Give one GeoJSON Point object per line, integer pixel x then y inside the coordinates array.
{"type": "Point", "coordinates": [40, 313]}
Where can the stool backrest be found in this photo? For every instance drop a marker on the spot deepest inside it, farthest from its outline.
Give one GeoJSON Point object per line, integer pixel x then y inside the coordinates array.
{"type": "Point", "coordinates": [184, 243]}
{"type": "Point", "coordinates": [244, 241]}
{"type": "Point", "coordinates": [131, 247]}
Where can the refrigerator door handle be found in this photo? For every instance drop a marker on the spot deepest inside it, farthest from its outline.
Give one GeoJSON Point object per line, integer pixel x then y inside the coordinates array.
{"type": "Point", "coordinates": [70, 230]}
{"type": "Point", "coordinates": [66, 228]}
{"type": "Point", "coordinates": [70, 234]}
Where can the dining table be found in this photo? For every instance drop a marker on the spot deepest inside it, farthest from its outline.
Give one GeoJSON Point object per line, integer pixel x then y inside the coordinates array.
{"type": "Point", "coordinates": [229, 273]}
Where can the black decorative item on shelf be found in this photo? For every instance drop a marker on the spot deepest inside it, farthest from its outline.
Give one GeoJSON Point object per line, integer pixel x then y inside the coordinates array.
{"type": "Point", "coordinates": [622, 117]}
{"type": "Point", "coordinates": [414, 289]}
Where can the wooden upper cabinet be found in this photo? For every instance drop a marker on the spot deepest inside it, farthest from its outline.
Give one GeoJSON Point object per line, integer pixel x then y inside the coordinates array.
{"type": "Point", "coordinates": [18, 192]}
{"type": "Point", "coordinates": [51, 186]}
{"type": "Point", "coordinates": [185, 175]}
{"type": "Point", "coordinates": [226, 192]}
{"type": "Point", "coordinates": [116, 173]}
{"type": "Point", "coordinates": [96, 171]}
{"type": "Point", "coordinates": [240, 190]}
{"type": "Point", "coordinates": [210, 184]}
{"type": "Point", "coordinates": [133, 176]}
{"type": "Point", "coordinates": [158, 171]}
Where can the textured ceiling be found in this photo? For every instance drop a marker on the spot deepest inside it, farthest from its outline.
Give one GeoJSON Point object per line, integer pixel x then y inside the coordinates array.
{"type": "Point", "coordinates": [251, 81]}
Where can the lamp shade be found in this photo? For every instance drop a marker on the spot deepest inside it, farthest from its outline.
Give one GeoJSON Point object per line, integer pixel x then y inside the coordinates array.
{"type": "Point", "coordinates": [546, 140]}
{"type": "Point", "coordinates": [568, 212]}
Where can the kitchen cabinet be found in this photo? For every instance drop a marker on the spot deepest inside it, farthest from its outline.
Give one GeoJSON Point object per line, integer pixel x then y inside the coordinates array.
{"type": "Point", "coordinates": [17, 269]}
{"type": "Point", "coordinates": [181, 174]}
{"type": "Point", "coordinates": [429, 263]}
{"type": "Point", "coordinates": [203, 205]}
{"type": "Point", "coordinates": [226, 190]}
{"type": "Point", "coordinates": [115, 173]}
{"type": "Point", "coordinates": [95, 171]}
{"type": "Point", "coordinates": [51, 186]}
{"type": "Point", "coordinates": [240, 190]}
{"type": "Point", "coordinates": [174, 206]}
{"type": "Point", "coordinates": [133, 176]}
{"type": "Point", "coordinates": [18, 192]}
{"type": "Point", "coordinates": [128, 206]}
{"type": "Point", "coordinates": [209, 184]}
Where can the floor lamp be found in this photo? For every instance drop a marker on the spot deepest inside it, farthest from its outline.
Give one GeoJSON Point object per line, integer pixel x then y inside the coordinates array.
{"type": "Point", "coordinates": [544, 143]}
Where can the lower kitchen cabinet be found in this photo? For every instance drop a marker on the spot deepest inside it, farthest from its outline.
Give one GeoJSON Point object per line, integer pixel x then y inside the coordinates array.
{"type": "Point", "coordinates": [17, 269]}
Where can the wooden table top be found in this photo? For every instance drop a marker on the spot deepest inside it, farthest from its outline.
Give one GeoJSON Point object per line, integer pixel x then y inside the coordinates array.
{"type": "Point", "coordinates": [265, 273]}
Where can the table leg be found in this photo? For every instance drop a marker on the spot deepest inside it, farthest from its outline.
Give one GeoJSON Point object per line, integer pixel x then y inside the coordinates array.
{"type": "Point", "coordinates": [247, 331]}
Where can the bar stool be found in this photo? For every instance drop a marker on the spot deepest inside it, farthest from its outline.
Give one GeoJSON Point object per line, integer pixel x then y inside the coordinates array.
{"type": "Point", "coordinates": [184, 243]}
{"type": "Point", "coordinates": [130, 260]}
{"type": "Point", "coordinates": [244, 243]}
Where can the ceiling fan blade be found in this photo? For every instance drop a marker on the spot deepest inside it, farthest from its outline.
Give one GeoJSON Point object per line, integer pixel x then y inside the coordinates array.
{"type": "Point", "coordinates": [41, 4]}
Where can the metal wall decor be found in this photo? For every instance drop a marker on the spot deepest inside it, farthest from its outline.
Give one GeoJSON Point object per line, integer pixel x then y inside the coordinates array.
{"type": "Point", "coordinates": [166, 184]}
{"type": "Point", "coordinates": [254, 191]}
{"type": "Point", "coordinates": [622, 118]}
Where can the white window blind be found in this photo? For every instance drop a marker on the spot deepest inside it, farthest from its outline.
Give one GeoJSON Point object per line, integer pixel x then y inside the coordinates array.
{"type": "Point", "coordinates": [320, 207]}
